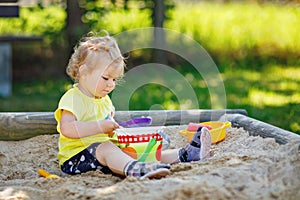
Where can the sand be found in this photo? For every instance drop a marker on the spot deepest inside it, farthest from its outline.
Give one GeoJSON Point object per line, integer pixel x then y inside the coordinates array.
{"type": "Point", "coordinates": [240, 167]}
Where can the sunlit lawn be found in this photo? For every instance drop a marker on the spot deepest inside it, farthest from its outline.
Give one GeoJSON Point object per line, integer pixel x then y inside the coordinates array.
{"type": "Point", "coordinates": [271, 95]}
{"type": "Point", "coordinates": [34, 96]}
{"type": "Point", "coordinates": [243, 38]}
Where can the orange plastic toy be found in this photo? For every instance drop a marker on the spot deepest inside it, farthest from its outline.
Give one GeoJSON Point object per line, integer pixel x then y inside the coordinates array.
{"type": "Point", "coordinates": [46, 174]}
{"type": "Point", "coordinates": [217, 130]}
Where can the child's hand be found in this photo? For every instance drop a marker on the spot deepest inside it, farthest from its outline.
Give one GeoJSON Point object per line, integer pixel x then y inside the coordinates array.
{"type": "Point", "coordinates": [108, 126]}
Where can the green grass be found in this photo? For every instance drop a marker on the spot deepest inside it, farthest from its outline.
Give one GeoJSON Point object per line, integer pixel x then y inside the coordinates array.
{"type": "Point", "coordinates": [233, 29]}
{"type": "Point", "coordinates": [255, 46]}
{"type": "Point", "coordinates": [34, 96]}
{"type": "Point", "coordinates": [271, 95]}
{"type": "Point", "coordinates": [230, 31]}
{"type": "Point", "coordinates": [47, 22]}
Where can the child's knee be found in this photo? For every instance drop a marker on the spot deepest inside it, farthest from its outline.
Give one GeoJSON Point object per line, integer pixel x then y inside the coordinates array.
{"type": "Point", "coordinates": [105, 149]}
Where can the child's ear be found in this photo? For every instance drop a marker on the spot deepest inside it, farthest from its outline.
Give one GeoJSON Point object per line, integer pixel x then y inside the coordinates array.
{"type": "Point", "coordinates": [83, 70]}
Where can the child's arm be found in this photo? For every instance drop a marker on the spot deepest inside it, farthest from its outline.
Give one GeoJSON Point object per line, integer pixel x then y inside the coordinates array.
{"type": "Point", "coordinates": [71, 128]}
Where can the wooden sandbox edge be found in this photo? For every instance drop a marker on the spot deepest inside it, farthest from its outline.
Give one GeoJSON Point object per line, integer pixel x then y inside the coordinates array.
{"type": "Point", "coordinates": [259, 128]}
{"type": "Point", "coordinates": [24, 125]}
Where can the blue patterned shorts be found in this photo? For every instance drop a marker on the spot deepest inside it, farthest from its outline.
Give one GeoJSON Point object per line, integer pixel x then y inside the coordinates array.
{"type": "Point", "coordinates": [84, 161]}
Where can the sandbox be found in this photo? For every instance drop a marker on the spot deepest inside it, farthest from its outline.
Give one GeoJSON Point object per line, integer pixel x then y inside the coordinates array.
{"type": "Point", "coordinates": [255, 161]}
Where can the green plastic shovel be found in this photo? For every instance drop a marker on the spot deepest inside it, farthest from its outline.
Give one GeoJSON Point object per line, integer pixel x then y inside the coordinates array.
{"type": "Point", "coordinates": [145, 154]}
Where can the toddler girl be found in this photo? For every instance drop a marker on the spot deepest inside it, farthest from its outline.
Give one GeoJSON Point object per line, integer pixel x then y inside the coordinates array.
{"type": "Point", "coordinates": [85, 122]}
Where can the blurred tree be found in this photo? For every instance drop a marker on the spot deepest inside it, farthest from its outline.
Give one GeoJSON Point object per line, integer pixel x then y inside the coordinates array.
{"type": "Point", "coordinates": [159, 9]}
{"type": "Point", "coordinates": [85, 14]}
{"type": "Point", "coordinates": [75, 27]}
{"type": "Point", "coordinates": [158, 18]}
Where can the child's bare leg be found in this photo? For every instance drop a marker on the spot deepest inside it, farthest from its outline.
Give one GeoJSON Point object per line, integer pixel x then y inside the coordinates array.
{"type": "Point", "coordinates": [120, 163]}
{"type": "Point", "coordinates": [170, 156]}
{"type": "Point", "coordinates": [112, 156]}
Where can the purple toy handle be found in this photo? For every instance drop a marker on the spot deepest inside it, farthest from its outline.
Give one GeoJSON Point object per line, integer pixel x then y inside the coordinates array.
{"type": "Point", "coordinates": [137, 122]}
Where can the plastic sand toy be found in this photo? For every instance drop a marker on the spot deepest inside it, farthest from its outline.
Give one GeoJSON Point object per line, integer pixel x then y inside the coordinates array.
{"type": "Point", "coordinates": [217, 130]}
{"type": "Point", "coordinates": [46, 174]}
{"type": "Point", "coordinates": [142, 144]}
{"type": "Point", "coordinates": [137, 122]}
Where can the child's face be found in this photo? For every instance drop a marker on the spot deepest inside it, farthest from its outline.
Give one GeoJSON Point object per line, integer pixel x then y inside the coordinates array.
{"type": "Point", "coordinates": [99, 83]}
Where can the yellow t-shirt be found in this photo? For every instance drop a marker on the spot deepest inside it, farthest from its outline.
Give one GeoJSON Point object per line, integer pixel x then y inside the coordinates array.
{"type": "Point", "coordinates": [85, 109]}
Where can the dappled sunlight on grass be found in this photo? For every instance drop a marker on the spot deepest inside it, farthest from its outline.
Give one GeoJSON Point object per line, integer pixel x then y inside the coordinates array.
{"type": "Point", "coordinates": [260, 98]}
{"type": "Point", "coordinates": [67, 86]}
{"type": "Point", "coordinates": [243, 26]}
{"type": "Point", "coordinates": [127, 19]}
{"type": "Point", "coordinates": [295, 126]}
{"type": "Point", "coordinates": [34, 96]}
{"type": "Point", "coordinates": [287, 72]}
{"type": "Point", "coordinates": [243, 38]}
{"type": "Point", "coordinates": [271, 81]}
{"type": "Point", "coordinates": [150, 94]}
{"type": "Point", "coordinates": [270, 95]}
{"type": "Point", "coordinates": [170, 105]}
{"type": "Point", "coordinates": [284, 86]}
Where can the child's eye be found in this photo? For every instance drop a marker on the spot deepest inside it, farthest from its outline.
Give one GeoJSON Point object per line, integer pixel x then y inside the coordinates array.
{"type": "Point", "coordinates": [106, 78]}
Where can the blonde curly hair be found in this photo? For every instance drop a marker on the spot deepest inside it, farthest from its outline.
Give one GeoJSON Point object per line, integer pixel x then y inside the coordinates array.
{"type": "Point", "coordinates": [91, 47]}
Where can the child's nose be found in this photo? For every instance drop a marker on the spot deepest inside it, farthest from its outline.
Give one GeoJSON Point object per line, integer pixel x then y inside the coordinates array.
{"type": "Point", "coordinates": [111, 83]}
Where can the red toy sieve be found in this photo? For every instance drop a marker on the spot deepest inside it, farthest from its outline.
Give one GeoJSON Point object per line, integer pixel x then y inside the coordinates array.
{"type": "Point", "coordinates": [123, 139]}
